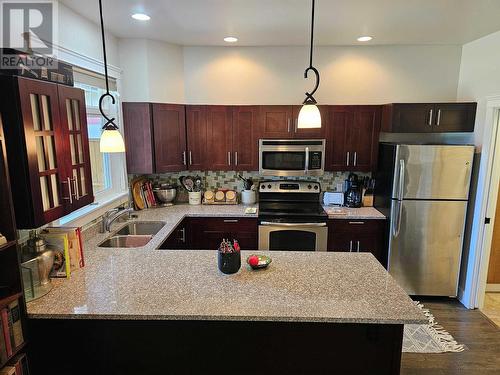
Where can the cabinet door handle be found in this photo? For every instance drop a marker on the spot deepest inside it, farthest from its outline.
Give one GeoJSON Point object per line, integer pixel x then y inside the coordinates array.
{"type": "Point", "coordinates": [296, 124]}
{"type": "Point", "coordinates": [350, 246]}
{"type": "Point", "coordinates": [229, 158]}
{"type": "Point", "coordinates": [347, 158]}
{"type": "Point", "coordinates": [288, 125]}
{"type": "Point", "coordinates": [356, 222]}
{"type": "Point", "coordinates": [231, 221]}
{"type": "Point", "coordinates": [438, 117]}
{"type": "Point", "coordinates": [184, 161]}
{"type": "Point", "coordinates": [183, 235]}
{"type": "Point", "coordinates": [236, 158]}
{"type": "Point", "coordinates": [75, 186]}
{"type": "Point", "coordinates": [430, 117]}
{"type": "Point", "coordinates": [355, 157]}
{"type": "Point", "coordinates": [70, 197]}
{"type": "Point", "coordinates": [190, 158]}
{"type": "Point", "coordinates": [358, 246]}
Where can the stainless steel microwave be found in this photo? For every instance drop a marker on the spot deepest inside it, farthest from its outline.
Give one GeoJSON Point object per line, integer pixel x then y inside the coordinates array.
{"type": "Point", "coordinates": [292, 157]}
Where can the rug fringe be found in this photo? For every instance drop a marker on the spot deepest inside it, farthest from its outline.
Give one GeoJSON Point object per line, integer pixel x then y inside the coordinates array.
{"type": "Point", "coordinates": [439, 333]}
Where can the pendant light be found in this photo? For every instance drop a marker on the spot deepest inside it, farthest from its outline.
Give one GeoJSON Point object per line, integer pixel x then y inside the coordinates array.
{"type": "Point", "coordinates": [111, 138]}
{"type": "Point", "coordinates": [309, 116]}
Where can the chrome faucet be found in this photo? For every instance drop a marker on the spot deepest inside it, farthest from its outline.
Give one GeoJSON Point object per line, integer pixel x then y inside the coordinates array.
{"type": "Point", "coordinates": [110, 216]}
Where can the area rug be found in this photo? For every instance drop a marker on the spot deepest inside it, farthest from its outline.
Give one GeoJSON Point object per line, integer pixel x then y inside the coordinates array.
{"type": "Point", "coordinates": [428, 338]}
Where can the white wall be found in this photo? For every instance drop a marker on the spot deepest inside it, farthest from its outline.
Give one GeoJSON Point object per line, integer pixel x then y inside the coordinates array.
{"type": "Point", "coordinates": [152, 71]}
{"type": "Point", "coordinates": [480, 76]}
{"type": "Point", "coordinates": [349, 74]}
{"type": "Point", "coordinates": [80, 35]}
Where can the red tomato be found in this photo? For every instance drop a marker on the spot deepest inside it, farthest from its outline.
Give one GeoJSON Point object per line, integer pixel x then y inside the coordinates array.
{"type": "Point", "coordinates": [253, 260]}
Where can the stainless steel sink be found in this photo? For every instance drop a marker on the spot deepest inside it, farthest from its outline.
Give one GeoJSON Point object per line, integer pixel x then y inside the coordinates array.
{"type": "Point", "coordinates": [140, 228]}
{"type": "Point", "coordinates": [126, 241]}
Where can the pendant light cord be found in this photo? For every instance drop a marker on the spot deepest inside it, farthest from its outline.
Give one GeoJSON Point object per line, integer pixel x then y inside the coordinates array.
{"type": "Point", "coordinates": [309, 96]}
{"type": "Point", "coordinates": [109, 125]}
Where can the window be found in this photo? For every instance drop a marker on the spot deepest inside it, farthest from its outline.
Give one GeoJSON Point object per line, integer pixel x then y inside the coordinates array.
{"type": "Point", "coordinates": [108, 170]}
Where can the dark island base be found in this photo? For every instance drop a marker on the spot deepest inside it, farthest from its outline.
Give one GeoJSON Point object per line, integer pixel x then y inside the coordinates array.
{"type": "Point", "coordinates": [95, 347]}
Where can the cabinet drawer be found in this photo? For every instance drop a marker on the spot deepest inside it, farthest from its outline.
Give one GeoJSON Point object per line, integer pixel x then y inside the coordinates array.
{"type": "Point", "coordinates": [355, 227]}
{"type": "Point", "coordinates": [224, 224]}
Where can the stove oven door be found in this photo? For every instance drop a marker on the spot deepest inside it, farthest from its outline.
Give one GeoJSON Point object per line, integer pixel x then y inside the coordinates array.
{"type": "Point", "coordinates": [293, 236]}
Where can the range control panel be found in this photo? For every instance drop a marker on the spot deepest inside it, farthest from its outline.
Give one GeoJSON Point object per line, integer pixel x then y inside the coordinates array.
{"type": "Point", "coordinates": [289, 186]}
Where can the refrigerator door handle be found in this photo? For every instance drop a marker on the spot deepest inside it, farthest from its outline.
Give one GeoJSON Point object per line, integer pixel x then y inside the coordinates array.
{"type": "Point", "coordinates": [397, 220]}
{"type": "Point", "coordinates": [401, 179]}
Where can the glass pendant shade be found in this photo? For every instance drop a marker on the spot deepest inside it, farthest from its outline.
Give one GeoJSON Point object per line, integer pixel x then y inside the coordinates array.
{"type": "Point", "coordinates": [111, 141]}
{"type": "Point", "coordinates": [309, 117]}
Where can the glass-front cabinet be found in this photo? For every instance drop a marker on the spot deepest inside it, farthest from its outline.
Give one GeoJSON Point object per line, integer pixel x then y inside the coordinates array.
{"type": "Point", "coordinates": [48, 149]}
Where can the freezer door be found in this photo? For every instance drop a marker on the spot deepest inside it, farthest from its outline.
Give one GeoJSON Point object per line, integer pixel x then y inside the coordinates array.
{"type": "Point", "coordinates": [425, 245]}
{"type": "Point", "coordinates": [432, 172]}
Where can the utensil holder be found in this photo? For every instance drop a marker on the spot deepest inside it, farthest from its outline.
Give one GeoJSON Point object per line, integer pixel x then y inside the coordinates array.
{"type": "Point", "coordinates": [229, 262]}
{"type": "Point", "coordinates": [248, 197]}
{"type": "Point", "coordinates": [194, 197]}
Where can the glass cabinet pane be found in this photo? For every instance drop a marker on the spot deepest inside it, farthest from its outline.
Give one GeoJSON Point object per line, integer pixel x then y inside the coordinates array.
{"type": "Point", "coordinates": [47, 120]}
{"type": "Point", "coordinates": [35, 112]}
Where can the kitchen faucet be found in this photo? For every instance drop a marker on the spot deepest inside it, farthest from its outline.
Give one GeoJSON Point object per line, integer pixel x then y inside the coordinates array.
{"type": "Point", "coordinates": [110, 216]}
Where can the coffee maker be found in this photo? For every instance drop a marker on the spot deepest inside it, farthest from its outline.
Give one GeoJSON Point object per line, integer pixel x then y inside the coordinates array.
{"type": "Point", "coordinates": [353, 191]}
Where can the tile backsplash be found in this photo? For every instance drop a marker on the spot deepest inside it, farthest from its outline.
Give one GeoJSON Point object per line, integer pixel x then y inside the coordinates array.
{"type": "Point", "coordinates": [214, 180]}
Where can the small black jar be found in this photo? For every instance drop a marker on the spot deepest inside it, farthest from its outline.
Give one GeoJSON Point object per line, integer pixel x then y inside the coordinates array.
{"type": "Point", "coordinates": [229, 262]}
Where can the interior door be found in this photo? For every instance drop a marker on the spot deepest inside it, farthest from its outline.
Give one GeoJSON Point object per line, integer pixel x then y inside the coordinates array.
{"type": "Point", "coordinates": [363, 138]}
{"type": "Point", "coordinates": [433, 171]}
{"type": "Point", "coordinates": [337, 156]}
{"type": "Point", "coordinates": [426, 245]}
{"type": "Point", "coordinates": [74, 122]}
{"type": "Point", "coordinates": [245, 120]}
{"type": "Point", "coordinates": [46, 149]}
{"type": "Point", "coordinates": [196, 129]}
{"type": "Point", "coordinates": [169, 124]}
{"type": "Point", "coordinates": [220, 138]}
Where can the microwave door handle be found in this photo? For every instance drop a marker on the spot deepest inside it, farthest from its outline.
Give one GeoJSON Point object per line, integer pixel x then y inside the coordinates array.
{"type": "Point", "coordinates": [307, 160]}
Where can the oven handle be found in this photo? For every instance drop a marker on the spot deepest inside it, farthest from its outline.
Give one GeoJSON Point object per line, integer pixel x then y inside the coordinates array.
{"type": "Point", "coordinates": [306, 167]}
{"type": "Point", "coordinates": [268, 223]}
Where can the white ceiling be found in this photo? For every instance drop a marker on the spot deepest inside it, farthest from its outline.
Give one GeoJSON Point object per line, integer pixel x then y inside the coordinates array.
{"type": "Point", "coordinates": [287, 22]}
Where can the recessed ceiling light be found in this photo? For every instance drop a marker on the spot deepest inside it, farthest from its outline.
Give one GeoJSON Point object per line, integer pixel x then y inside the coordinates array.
{"type": "Point", "coordinates": [364, 38]}
{"type": "Point", "coordinates": [230, 39]}
{"type": "Point", "coordinates": [141, 17]}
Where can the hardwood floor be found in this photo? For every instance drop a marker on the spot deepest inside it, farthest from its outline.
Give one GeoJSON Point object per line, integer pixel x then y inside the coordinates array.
{"type": "Point", "coordinates": [470, 327]}
{"type": "Point", "coordinates": [491, 307]}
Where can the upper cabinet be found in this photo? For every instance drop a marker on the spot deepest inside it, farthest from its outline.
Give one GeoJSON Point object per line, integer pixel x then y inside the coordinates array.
{"type": "Point", "coordinates": [47, 144]}
{"type": "Point", "coordinates": [352, 138]}
{"type": "Point", "coordinates": [196, 124]}
{"type": "Point", "coordinates": [155, 137]}
{"type": "Point", "coordinates": [281, 121]}
{"type": "Point", "coordinates": [429, 118]}
{"type": "Point", "coordinates": [245, 120]}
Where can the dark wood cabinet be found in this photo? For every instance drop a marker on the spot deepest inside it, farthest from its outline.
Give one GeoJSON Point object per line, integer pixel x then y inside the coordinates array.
{"type": "Point", "coordinates": [358, 236]}
{"type": "Point", "coordinates": [428, 117]}
{"type": "Point", "coordinates": [196, 125]}
{"type": "Point", "coordinates": [178, 239]}
{"type": "Point", "coordinates": [220, 138]}
{"type": "Point", "coordinates": [245, 121]}
{"type": "Point", "coordinates": [206, 233]}
{"type": "Point", "coordinates": [169, 129]}
{"type": "Point", "coordinates": [155, 137]}
{"type": "Point", "coordinates": [281, 121]}
{"type": "Point", "coordinates": [352, 138]}
{"type": "Point", "coordinates": [47, 143]}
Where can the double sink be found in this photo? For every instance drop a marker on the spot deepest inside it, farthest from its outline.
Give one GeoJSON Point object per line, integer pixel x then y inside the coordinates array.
{"type": "Point", "coordinates": [133, 234]}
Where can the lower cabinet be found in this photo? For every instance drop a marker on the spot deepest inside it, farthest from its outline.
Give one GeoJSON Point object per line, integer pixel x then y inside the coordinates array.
{"type": "Point", "coordinates": [206, 233]}
{"type": "Point", "coordinates": [358, 236]}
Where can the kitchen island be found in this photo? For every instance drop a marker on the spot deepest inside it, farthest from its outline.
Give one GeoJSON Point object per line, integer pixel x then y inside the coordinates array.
{"type": "Point", "coordinates": [147, 311]}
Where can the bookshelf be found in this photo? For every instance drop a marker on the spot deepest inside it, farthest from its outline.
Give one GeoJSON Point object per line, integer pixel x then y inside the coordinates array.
{"type": "Point", "coordinates": [11, 289]}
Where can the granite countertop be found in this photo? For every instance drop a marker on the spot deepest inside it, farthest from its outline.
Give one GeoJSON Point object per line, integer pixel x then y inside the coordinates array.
{"type": "Point", "coordinates": [145, 283]}
{"type": "Point", "coordinates": [362, 213]}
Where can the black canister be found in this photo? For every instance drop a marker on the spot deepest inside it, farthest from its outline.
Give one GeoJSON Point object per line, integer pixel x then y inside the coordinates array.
{"type": "Point", "coordinates": [229, 262]}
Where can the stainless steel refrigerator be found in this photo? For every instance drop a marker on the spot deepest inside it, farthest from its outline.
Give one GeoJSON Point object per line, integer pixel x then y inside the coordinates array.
{"type": "Point", "coordinates": [424, 190]}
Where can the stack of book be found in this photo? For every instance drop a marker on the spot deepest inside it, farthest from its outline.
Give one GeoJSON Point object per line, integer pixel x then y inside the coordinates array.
{"type": "Point", "coordinates": [11, 331]}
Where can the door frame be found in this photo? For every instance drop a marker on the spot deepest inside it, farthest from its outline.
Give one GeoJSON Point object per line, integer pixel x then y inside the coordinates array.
{"type": "Point", "coordinates": [486, 199]}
